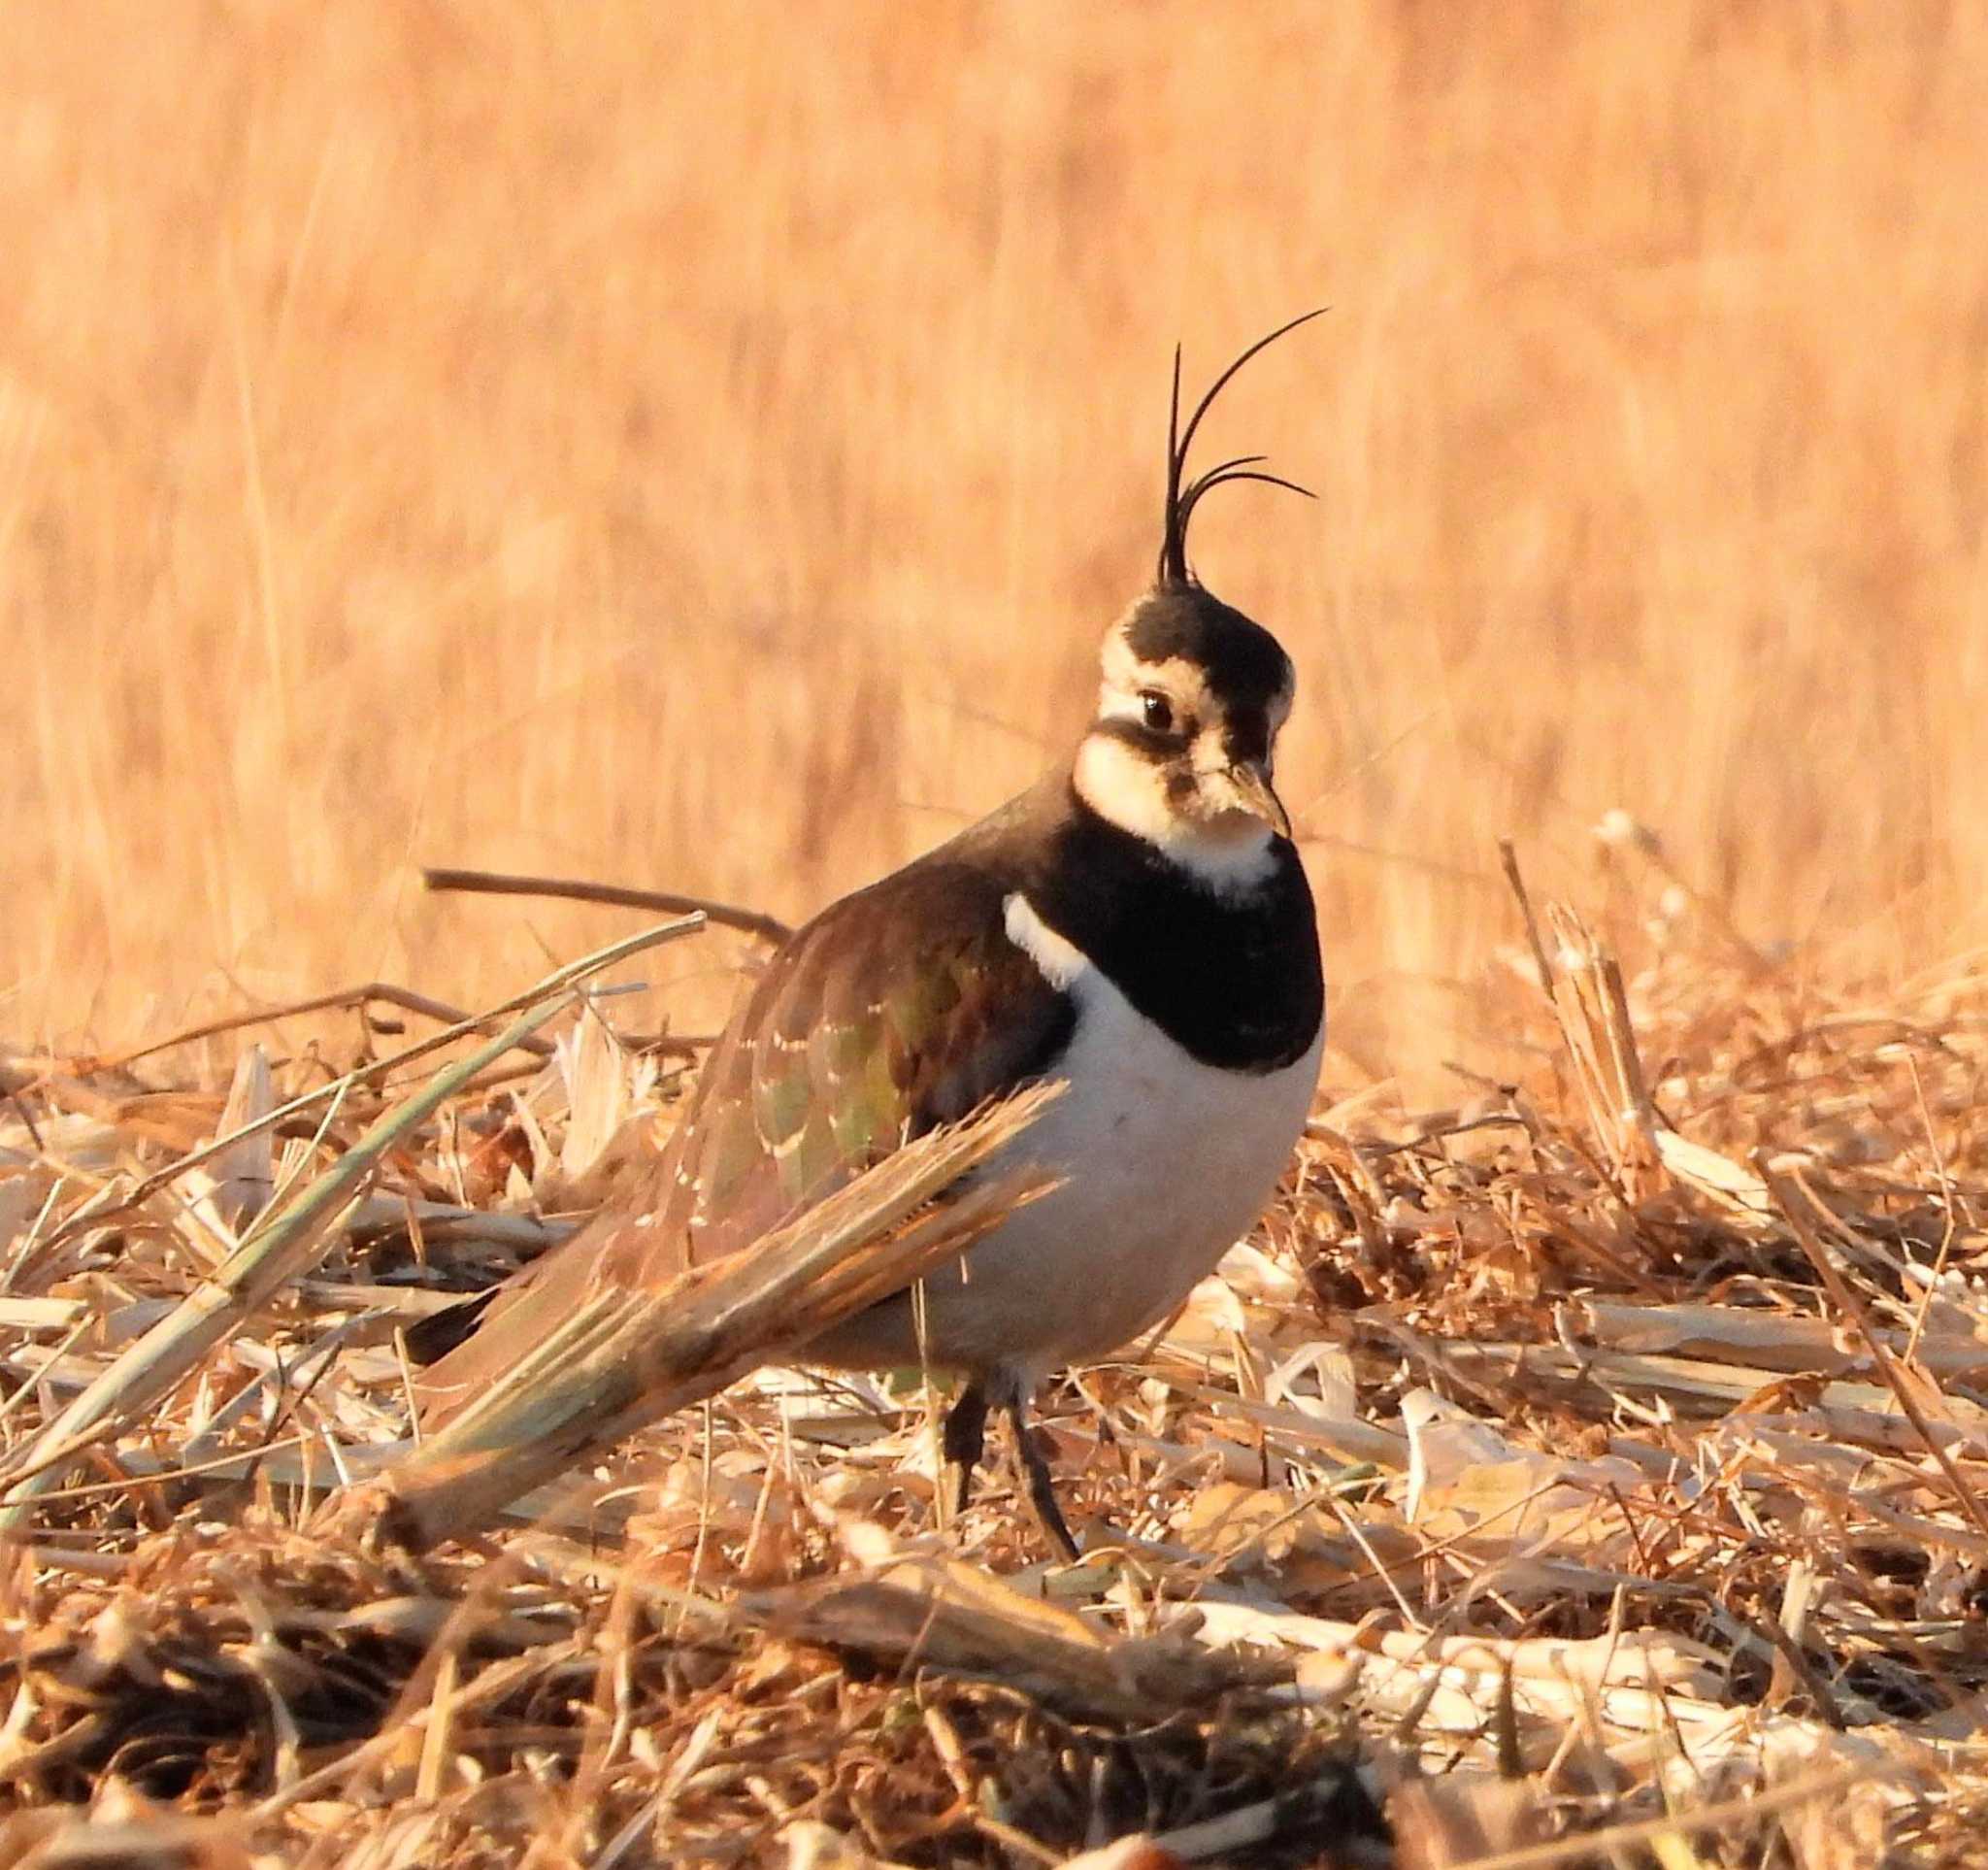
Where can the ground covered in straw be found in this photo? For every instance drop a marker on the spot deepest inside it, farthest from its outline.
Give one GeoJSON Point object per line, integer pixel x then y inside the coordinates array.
{"type": "Point", "coordinates": [1595, 1470]}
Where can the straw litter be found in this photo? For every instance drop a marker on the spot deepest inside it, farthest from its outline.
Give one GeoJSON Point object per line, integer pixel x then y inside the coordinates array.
{"type": "Point", "coordinates": [1596, 1472]}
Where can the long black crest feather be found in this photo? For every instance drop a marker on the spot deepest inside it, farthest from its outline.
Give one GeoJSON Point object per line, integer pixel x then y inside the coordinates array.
{"type": "Point", "coordinates": [1182, 499]}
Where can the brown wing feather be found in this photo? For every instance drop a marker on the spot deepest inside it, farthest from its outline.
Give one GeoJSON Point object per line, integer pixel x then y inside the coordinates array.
{"type": "Point", "coordinates": [897, 1009]}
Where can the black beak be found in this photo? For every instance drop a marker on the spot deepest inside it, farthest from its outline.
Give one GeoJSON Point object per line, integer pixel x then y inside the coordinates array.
{"type": "Point", "coordinates": [1253, 793]}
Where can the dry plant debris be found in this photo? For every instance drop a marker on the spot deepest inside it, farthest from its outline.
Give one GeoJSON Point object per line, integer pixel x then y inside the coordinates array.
{"type": "Point", "coordinates": [1596, 1471]}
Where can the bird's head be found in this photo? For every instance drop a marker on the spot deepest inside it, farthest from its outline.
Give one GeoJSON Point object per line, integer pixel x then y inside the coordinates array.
{"type": "Point", "coordinates": [1193, 694]}
{"type": "Point", "coordinates": [1184, 749]}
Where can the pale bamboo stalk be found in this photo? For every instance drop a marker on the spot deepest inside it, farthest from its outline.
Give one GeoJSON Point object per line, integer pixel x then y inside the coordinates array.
{"type": "Point", "coordinates": [1767, 1342]}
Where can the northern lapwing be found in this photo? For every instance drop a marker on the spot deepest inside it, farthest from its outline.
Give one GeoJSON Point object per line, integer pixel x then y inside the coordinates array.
{"type": "Point", "coordinates": [1138, 924]}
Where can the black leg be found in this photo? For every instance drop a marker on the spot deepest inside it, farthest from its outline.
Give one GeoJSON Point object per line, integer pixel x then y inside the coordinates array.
{"type": "Point", "coordinates": [1040, 1485]}
{"type": "Point", "coordinates": [963, 1441]}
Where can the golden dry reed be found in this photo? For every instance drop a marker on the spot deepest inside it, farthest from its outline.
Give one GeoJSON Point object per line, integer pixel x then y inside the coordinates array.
{"type": "Point", "coordinates": [700, 447]}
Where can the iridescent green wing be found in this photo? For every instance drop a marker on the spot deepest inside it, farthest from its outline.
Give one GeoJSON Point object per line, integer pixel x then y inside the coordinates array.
{"type": "Point", "coordinates": [897, 1009]}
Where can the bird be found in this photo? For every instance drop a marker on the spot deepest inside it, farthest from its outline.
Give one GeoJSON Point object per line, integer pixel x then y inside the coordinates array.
{"type": "Point", "coordinates": [1136, 924]}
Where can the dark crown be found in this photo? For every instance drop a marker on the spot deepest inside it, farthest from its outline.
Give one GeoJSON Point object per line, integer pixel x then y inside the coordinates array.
{"type": "Point", "coordinates": [1244, 664]}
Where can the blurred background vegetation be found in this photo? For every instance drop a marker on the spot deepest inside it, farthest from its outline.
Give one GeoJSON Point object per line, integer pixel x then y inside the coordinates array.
{"type": "Point", "coordinates": [701, 445]}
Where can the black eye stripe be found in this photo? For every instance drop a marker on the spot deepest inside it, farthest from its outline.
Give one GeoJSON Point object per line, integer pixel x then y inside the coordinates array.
{"type": "Point", "coordinates": [1135, 733]}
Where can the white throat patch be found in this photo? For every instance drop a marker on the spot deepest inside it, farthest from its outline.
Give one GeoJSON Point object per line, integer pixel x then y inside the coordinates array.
{"type": "Point", "coordinates": [1126, 790]}
{"type": "Point", "coordinates": [1062, 961]}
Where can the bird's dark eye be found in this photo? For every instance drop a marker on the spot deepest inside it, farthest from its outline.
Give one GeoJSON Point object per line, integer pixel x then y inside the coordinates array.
{"type": "Point", "coordinates": [1158, 710]}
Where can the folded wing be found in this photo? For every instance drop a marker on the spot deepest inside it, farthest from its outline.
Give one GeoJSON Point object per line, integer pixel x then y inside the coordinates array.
{"type": "Point", "coordinates": [897, 1009]}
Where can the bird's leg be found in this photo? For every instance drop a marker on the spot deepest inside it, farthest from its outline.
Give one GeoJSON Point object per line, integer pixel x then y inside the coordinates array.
{"type": "Point", "coordinates": [962, 1442]}
{"type": "Point", "coordinates": [1040, 1484]}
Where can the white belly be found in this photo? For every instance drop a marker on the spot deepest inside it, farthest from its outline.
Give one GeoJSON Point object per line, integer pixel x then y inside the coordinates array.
{"type": "Point", "coordinates": [1167, 1163]}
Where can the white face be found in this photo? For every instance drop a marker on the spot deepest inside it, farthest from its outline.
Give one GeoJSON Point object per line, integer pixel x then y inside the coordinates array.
{"type": "Point", "coordinates": [1174, 762]}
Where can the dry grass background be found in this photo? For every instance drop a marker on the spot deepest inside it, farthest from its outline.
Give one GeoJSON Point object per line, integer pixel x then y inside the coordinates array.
{"type": "Point", "coordinates": [701, 447]}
